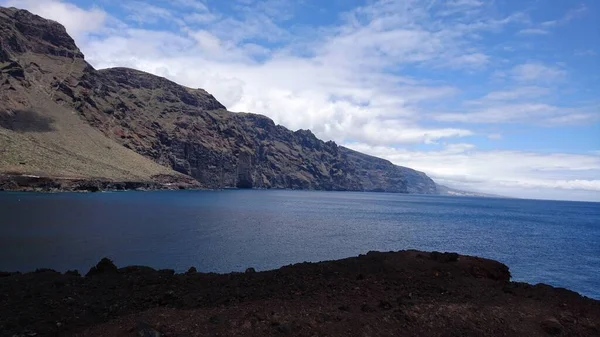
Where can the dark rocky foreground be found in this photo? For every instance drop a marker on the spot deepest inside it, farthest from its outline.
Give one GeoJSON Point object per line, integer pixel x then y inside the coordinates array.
{"type": "Point", "coordinates": [407, 293]}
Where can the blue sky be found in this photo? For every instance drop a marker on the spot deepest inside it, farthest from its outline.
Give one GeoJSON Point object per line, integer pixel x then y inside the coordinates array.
{"type": "Point", "coordinates": [494, 96]}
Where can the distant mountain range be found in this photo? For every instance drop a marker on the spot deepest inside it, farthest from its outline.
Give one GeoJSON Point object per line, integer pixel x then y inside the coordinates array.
{"type": "Point", "coordinates": [62, 121]}
{"type": "Point", "coordinates": [443, 190]}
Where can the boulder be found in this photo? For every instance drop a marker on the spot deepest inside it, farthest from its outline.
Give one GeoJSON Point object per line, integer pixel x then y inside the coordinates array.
{"type": "Point", "coordinates": [105, 266]}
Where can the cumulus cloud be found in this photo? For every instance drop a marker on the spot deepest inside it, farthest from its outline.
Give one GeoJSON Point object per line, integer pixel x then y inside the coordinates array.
{"type": "Point", "coordinates": [511, 173]}
{"type": "Point", "coordinates": [341, 90]}
{"type": "Point", "coordinates": [76, 20]}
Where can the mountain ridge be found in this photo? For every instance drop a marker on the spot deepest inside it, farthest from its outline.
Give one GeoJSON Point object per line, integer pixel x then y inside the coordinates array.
{"type": "Point", "coordinates": [445, 190]}
{"type": "Point", "coordinates": [180, 132]}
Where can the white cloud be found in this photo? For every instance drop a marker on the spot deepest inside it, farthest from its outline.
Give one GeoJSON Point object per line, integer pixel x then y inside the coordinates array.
{"type": "Point", "coordinates": [510, 173]}
{"type": "Point", "coordinates": [575, 118]}
{"type": "Point", "coordinates": [458, 148]}
{"type": "Point", "coordinates": [277, 10]}
{"type": "Point", "coordinates": [534, 72]}
{"type": "Point", "coordinates": [207, 42]}
{"type": "Point", "coordinates": [575, 13]}
{"type": "Point", "coordinates": [449, 8]}
{"type": "Point", "coordinates": [523, 113]}
{"type": "Point", "coordinates": [550, 23]}
{"type": "Point", "coordinates": [256, 26]}
{"type": "Point", "coordinates": [570, 15]}
{"type": "Point", "coordinates": [464, 3]}
{"type": "Point", "coordinates": [469, 60]}
{"type": "Point", "coordinates": [517, 93]}
{"type": "Point", "coordinates": [505, 113]}
{"type": "Point", "coordinates": [199, 18]}
{"type": "Point", "coordinates": [533, 31]}
{"type": "Point", "coordinates": [144, 13]}
{"type": "Point", "coordinates": [194, 4]}
{"type": "Point", "coordinates": [76, 20]}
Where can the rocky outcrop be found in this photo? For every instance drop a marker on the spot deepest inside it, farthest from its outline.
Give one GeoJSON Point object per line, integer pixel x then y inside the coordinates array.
{"type": "Point", "coordinates": [406, 293]}
{"type": "Point", "coordinates": [380, 175]}
{"type": "Point", "coordinates": [182, 128]}
{"type": "Point", "coordinates": [23, 32]}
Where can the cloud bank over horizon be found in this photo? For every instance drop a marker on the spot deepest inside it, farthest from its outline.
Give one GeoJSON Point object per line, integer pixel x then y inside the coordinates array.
{"type": "Point", "coordinates": [495, 97]}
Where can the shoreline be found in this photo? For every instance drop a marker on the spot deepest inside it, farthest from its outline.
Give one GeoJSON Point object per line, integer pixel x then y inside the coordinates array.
{"type": "Point", "coordinates": [42, 184]}
{"type": "Point", "coordinates": [410, 293]}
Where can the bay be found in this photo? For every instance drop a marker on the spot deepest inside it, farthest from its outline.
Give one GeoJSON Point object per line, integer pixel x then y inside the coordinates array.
{"type": "Point", "coordinates": [553, 242]}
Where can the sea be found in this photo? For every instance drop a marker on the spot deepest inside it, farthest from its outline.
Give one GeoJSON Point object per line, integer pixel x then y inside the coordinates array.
{"type": "Point", "coordinates": [552, 242]}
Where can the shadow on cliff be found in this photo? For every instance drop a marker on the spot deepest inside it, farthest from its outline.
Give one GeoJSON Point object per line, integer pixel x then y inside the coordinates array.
{"type": "Point", "coordinates": [25, 121]}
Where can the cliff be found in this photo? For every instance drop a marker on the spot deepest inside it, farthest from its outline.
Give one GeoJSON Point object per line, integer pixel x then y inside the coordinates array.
{"type": "Point", "coordinates": [50, 94]}
{"type": "Point", "coordinates": [44, 143]}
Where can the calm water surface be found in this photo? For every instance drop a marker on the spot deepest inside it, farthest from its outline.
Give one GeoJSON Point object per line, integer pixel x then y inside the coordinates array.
{"type": "Point", "coordinates": [553, 242]}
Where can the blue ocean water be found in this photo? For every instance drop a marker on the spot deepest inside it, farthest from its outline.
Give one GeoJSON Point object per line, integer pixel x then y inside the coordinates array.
{"type": "Point", "coordinates": [554, 242]}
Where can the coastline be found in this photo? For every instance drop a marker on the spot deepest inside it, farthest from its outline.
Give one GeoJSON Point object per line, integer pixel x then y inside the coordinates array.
{"type": "Point", "coordinates": [44, 184]}
{"type": "Point", "coordinates": [33, 183]}
{"type": "Point", "coordinates": [409, 293]}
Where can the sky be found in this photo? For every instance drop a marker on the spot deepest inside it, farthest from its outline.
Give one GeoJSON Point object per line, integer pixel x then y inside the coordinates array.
{"type": "Point", "coordinates": [499, 96]}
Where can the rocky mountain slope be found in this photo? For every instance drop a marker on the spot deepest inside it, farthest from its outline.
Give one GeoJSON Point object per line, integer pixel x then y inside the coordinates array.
{"type": "Point", "coordinates": [40, 135]}
{"type": "Point", "coordinates": [99, 122]}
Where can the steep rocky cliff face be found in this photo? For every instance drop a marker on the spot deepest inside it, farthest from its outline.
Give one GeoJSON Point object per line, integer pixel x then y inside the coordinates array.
{"type": "Point", "coordinates": [380, 175]}
{"type": "Point", "coordinates": [44, 143]}
{"type": "Point", "coordinates": [181, 128]}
